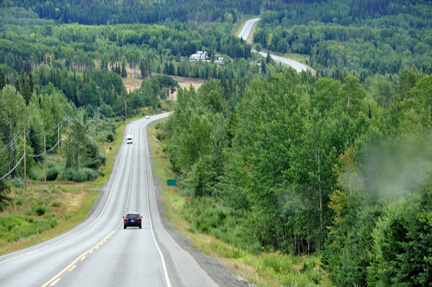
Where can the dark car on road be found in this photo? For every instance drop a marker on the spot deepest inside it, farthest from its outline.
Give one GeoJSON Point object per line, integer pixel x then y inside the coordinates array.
{"type": "Point", "coordinates": [132, 219]}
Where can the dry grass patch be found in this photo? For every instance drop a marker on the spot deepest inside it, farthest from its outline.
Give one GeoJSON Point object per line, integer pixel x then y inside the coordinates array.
{"type": "Point", "coordinates": [132, 84]}
{"type": "Point", "coordinates": [185, 83]}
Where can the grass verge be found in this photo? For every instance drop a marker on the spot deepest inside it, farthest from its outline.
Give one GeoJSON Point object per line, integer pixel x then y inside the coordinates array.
{"type": "Point", "coordinates": [266, 269]}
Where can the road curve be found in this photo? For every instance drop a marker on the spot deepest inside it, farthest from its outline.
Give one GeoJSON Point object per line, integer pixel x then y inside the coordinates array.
{"type": "Point", "coordinates": [247, 28]}
{"type": "Point", "coordinates": [245, 32]}
{"type": "Point", "coordinates": [99, 252]}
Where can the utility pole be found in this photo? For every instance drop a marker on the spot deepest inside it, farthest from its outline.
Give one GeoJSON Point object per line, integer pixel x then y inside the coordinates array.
{"type": "Point", "coordinates": [45, 154]}
{"type": "Point", "coordinates": [25, 167]}
{"type": "Point", "coordinates": [125, 109]}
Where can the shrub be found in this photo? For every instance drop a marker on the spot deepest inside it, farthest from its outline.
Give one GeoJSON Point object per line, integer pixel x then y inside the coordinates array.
{"type": "Point", "coordinates": [19, 201]}
{"type": "Point", "coordinates": [81, 175]}
{"type": "Point", "coordinates": [71, 174]}
{"type": "Point", "coordinates": [36, 174]}
{"type": "Point", "coordinates": [17, 182]}
{"type": "Point", "coordinates": [110, 137]}
{"type": "Point", "coordinates": [40, 210]}
{"type": "Point", "coordinates": [279, 263]}
{"type": "Point", "coordinates": [52, 173]}
{"type": "Point", "coordinates": [91, 174]}
{"type": "Point", "coordinates": [56, 204]}
{"type": "Point", "coordinates": [160, 136]}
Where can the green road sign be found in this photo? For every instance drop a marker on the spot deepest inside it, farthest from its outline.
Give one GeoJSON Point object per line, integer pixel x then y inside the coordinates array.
{"type": "Point", "coordinates": [171, 182]}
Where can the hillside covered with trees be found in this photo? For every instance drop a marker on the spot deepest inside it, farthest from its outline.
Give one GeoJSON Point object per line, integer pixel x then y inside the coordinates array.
{"type": "Point", "coordinates": [335, 164]}
{"type": "Point", "coordinates": [95, 12]}
{"type": "Point", "coordinates": [367, 37]}
{"type": "Point", "coordinates": [304, 166]}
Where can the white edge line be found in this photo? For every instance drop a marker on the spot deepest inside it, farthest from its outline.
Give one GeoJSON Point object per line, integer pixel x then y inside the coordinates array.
{"type": "Point", "coordinates": [168, 282]}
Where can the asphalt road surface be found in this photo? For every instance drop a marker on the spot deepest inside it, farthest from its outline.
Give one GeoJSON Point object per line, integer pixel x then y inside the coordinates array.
{"type": "Point", "coordinates": [99, 252]}
{"type": "Point", "coordinates": [247, 28]}
{"type": "Point", "coordinates": [245, 32]}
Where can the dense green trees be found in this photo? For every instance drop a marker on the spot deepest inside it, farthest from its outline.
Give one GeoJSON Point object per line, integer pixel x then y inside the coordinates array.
{"type": "Point", "coordinates": [142, 49]}
{"type": "Point", "coordinates": [115, 12]}
{"type": "Point", "coordinates": [305, 166]}
{"type": "Point", "coordinates": [368, 37]}
{"type": "Point", "coordinates": [68, 71]}
{"type": "Point", "coordinates": [100, 97]}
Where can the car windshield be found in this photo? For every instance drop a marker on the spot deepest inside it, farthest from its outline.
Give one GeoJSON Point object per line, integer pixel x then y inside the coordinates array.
{"type": "Point", "coordinates": [132, 216]}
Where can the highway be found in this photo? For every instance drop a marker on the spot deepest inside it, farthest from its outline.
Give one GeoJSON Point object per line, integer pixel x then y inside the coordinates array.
{"type": "Point", "coordinates": [247, 28]}
{"type": "Point", "coordinates": [245, 32]}
{"type": "Point", "coordinates": [99, 252]}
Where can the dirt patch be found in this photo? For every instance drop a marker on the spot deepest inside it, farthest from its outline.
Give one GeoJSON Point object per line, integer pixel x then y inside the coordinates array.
{"type": "Point", "coordinates": [185, 83]}
{"type": "Point", "coordinates": [73, 200]}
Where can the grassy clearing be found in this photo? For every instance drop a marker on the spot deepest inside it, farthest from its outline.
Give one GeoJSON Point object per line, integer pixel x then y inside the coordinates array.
{"type": "Point", "coordinates": [43, 211]}
{"type": "Point", "coordinates": [266, 269]}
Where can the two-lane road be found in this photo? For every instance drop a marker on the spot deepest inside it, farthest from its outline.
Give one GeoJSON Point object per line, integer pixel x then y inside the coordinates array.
{"type": "Point", "coordinates": [247, 28]}
{"type": "Point", "coordinates": [245, 32]}
{"type": "Point", "coordinates": [99, 252]}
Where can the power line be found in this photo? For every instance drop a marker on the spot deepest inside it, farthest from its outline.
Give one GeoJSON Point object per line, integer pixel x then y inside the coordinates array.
{"type": "Point", "coordinates": [13, 168]}
{"type": "Point", "coordinates": [48, 151]}
{"type": "Point", "coordinates": [47, 133]}
{"type": "Point", "coordinates": [14, 140]}
{"type": "Point", "coordinates": [12, 159]}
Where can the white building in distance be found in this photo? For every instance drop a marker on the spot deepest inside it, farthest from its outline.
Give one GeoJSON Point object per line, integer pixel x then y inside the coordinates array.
{"type": "Point", "coordinates": [200, 56]}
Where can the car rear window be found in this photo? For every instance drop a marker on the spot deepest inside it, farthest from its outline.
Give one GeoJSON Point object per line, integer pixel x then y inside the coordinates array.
{"type": "Point", "coordinates": [132, 216]}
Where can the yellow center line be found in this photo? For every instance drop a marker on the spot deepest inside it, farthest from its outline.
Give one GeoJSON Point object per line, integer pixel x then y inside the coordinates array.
{"type": "Point", "coordinates": [55, 282]}
{"type": "Point", "coordinates": [56, 278]}
{"type": "Point", "coordinates": [72, 265]}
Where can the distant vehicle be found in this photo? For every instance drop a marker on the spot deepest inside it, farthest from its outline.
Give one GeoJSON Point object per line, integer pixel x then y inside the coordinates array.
{"type": "Point", "coordinates": [128, 139]}
{"type": "Point", "coordinates": [132, 219]}
{"type": "Point", "coordinates": [147, 117]}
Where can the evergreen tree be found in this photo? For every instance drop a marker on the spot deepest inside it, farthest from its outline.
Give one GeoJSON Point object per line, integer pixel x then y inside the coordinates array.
{"type": "Point", "coordinates": [2, 80]}
{"type": "Point", "coordinates": [26, 88]}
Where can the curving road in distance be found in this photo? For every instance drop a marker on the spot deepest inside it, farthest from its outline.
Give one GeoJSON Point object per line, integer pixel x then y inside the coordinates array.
{"type": "Point", "coordinates": [99, 252]}
{"type": "Point", "coordinates": [245, 32]}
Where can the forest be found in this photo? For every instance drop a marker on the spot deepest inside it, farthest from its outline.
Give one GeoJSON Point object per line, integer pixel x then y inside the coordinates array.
{"type": "Point", "coordinates": [366, 37]}
{"type": "Point", "coordinates": [305, 165]}
{"type": "Point", "coordinates": [68, 80]}
{"type": "Point", "coordinates": [334, 163]}
{"type": "Point", "coordinates": [95, 12]}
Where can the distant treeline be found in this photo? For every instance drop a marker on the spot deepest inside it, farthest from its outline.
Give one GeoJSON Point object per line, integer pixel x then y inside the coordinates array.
{"type": "Point", "coordinates": [95, 12]}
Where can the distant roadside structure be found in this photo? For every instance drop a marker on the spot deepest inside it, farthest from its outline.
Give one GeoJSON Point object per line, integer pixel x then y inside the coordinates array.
{"type": "Point", "coordinates": [219, 60]}
{"type": "Point", "coordinates": [200, 56]}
